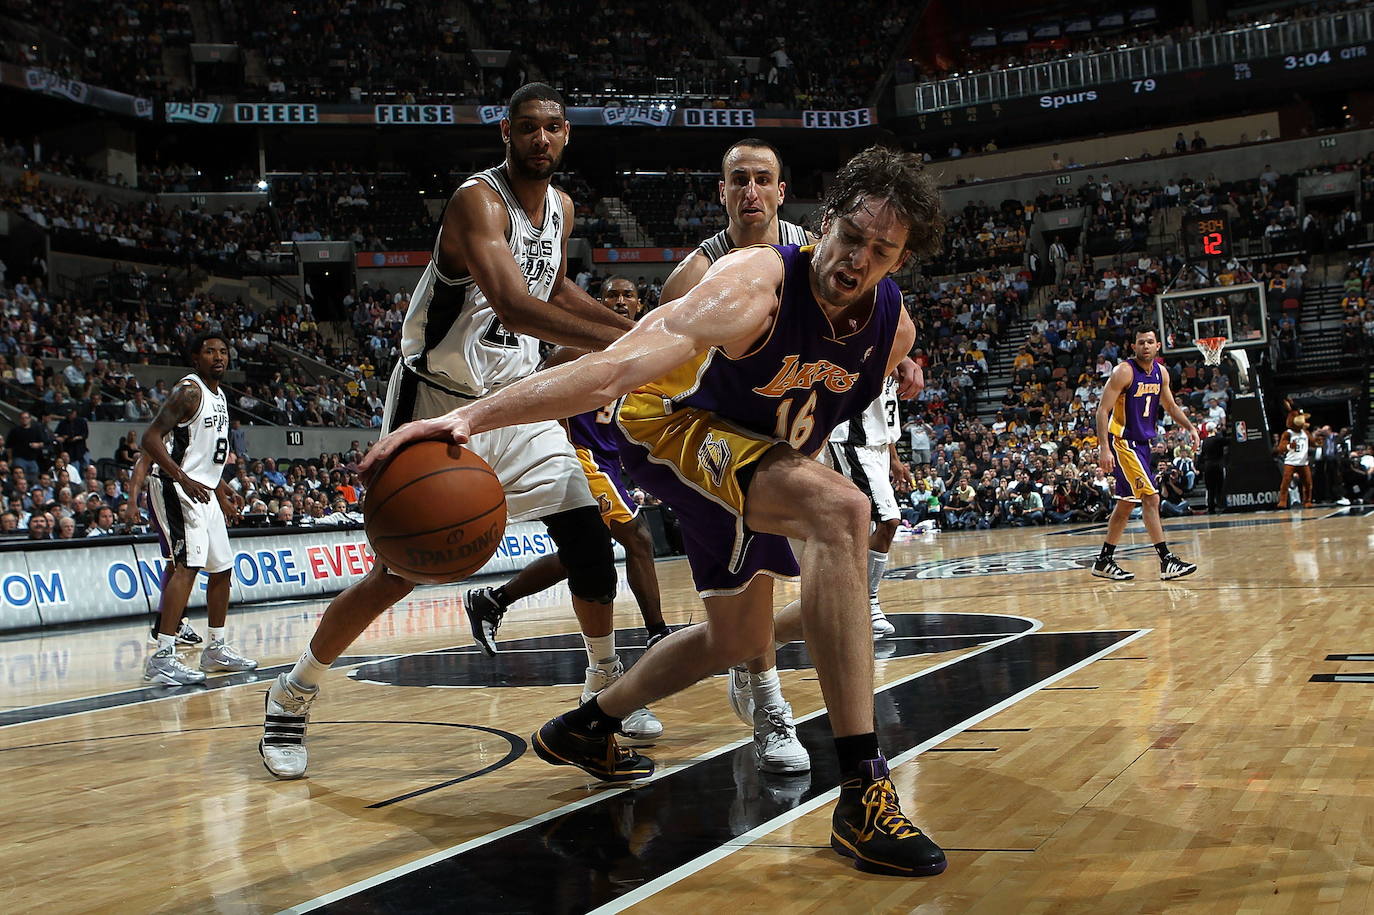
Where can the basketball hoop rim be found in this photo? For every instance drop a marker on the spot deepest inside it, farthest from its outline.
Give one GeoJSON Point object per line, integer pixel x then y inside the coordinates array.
{"type": "Point", "coordinates": [1211, 348]}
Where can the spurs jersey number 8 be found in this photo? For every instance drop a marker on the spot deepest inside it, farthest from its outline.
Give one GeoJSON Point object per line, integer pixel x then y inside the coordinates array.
{"type": "Point", "coordinates": [451, 335]}
{"type": "Point", "coordinates": [200, 446]}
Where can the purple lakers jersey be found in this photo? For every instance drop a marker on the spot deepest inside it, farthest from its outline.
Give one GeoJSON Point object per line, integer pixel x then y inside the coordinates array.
{"type": "Point", "coordinates": [803, 378]}
{"type": "Point", "coordinates": [593, 430]}
{"type": "Point", "coordinates": [1136, 414]}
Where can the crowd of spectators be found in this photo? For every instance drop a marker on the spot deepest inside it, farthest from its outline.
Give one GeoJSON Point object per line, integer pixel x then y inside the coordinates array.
{"type": "Point", "coordinates": [1357, 308]}
{"type": "Point", "coordinates": [117, 45]}
{"type": "Point", "coordinates": [377, 212]}
{"type": "Point", "coordinates": [87, 223]}
{"type": "Point", "coordinates": [52, 496]}
{"type": "Point", "coordinates": [814, 55]}
{"type": "Point", "coordinates": [356, 50]}
{"type": "Point", "coordinates": [1035, 461]}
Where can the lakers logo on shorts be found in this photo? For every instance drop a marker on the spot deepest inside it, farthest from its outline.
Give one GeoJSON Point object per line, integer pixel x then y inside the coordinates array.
{"type": "Point", "coordinates": [603, 503]}
{"type": "Point", "coordinates": [714, 457]}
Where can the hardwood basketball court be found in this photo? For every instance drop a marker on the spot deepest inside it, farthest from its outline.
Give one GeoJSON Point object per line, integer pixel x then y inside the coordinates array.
{"type": "Point", "coordinates": [1073, 744]}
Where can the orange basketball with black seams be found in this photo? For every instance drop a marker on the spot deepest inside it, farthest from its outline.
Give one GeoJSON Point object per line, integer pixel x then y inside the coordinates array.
{"type": "Point", "coordinates": [435, 513]}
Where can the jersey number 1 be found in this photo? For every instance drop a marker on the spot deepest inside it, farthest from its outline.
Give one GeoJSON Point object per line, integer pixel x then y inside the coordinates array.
{"type": "Point", "coordinates": [1148, 398]}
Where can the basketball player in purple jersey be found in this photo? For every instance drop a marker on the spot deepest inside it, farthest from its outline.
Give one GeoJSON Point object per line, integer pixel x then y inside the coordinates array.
{"type": "Point", "coordinates": [728, 395]}
{"type": "Point", "coordinates": [1127, 417]}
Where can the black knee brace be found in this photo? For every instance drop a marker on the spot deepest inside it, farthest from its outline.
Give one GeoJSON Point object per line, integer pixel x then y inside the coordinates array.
{"type": "Point", "coordinates": [584, 547]}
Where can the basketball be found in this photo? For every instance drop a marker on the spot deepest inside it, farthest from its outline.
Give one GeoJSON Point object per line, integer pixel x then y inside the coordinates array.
{"type": "Point", "coordinates": [435, 513]}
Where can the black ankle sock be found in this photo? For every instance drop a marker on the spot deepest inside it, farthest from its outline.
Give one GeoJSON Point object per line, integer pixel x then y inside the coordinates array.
{"type": "Point", "coordinates": [499, 595]}
{"type": "Point", "coordinates": [853, 751]}
{"type": "Point", "coordinates": [1162, 549]}
{"type": "Point", "coordinates": [1107, 550]}
{"type": "Point", "coordinates": [589, 719]}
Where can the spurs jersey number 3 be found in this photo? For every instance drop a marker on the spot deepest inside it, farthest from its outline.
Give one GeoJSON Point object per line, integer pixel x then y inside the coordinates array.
{"type": "Point", "coordinates": [200, 446]}
{"type": "Point", "coordinates": [451, 336]}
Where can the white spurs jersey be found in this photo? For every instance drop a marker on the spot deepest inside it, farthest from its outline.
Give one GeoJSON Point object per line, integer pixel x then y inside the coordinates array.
{"type": "Point", "coordinates": [451, 336]}
{"type": "Point", "coordinates": [1296, 455]}
{"type": "Point", "coordinates": [878, 426]}
{"type": "Point", "coordinates": [720, 244]}
{"type": "Point", "coordinates": [200, 445]}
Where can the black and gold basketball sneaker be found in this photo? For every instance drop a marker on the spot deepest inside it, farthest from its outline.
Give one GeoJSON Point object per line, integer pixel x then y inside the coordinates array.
{"type": "Point", "coordinates": [596, 754]}
{"type": "Point", "coordinates": [1107, 568]}
{"type": "Point", "coordinates": [1171, 567]}
{"type": "Point", "coordinates": [868, 825]}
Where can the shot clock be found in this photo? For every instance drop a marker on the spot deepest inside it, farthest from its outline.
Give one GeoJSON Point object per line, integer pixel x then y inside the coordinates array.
{"type": "Point", "coordinates": [1207, 236]}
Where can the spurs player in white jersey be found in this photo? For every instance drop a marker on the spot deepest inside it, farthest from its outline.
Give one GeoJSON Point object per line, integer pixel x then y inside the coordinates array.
{"type": "Point", "coordinates": [495, 288]}
{"type": "Point", "coordinates": [187, 445]}
{"type": "Point", "coordinates": [865, 450]}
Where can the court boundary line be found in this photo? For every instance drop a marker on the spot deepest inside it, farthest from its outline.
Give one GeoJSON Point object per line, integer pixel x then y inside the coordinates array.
{"type": "Point", "coordinates": [752, 836]}
{"type": "Point", "coordinates": [410, 867]}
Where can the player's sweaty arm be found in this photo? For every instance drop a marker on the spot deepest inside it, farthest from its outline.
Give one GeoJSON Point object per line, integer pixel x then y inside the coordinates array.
{"type": "Point", "coordinates": [732, 306]}
{"type": "Point", "coordinates": [179, 406]}
{"type": "Point", "coordinates": [473, 241]}
{"type": "Point", "coordinates": [684, 276]}
{"type": "Point", "coordinates": [1116, 385]}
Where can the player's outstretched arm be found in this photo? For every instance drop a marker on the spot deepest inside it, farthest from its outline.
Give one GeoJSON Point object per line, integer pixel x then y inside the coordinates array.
{"type": "Point", "coordinates": [733, 305]}
{"type": "Point", "coordinates": [179, 406]}
{"type": "Point", "coordinates": [1166, 400]}
{"type": "Point", "coordinates": [1116, 385]}
{"type": "Point", "coordinates": [474, 241]}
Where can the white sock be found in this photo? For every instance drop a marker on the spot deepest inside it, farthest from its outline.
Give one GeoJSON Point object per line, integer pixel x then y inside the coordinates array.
{"type": "Point", "coordinates": [600, 650]}
{"type": "Point", "coordinates": [167, 641]}
{"type": "Point", "coordinates": [216, 634]}
{"type": "Point", "coordinates": [877, 562]}
{"type": "Point", "coordinates": [766, 687]}
{"type": "Point", "coordinates": [308, 670]}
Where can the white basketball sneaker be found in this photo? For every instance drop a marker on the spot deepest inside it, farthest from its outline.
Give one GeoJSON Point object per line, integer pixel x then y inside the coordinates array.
{"type": "Point", "coordinates": [776, 746]}
{"type": "Point", "coordinates": [639, 725]}
{"type": "Point", "coordinates": [163, 666]}
{"type": "Point", "coordinates": [283, 730]}
{"type": "Point", "coordinates": [882, 626]}
{"type": "Point", "coordinates": [222, 656]}
{"type": "Point", "coordinates": [741, 695]}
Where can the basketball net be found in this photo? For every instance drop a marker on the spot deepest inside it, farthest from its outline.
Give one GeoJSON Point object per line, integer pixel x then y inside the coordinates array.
{"type": "Point", "coordinates": [1211, 348]}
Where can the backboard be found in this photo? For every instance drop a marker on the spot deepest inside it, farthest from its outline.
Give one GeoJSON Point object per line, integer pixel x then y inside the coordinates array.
{"type": "Point", "coordinates": [1235, 312]}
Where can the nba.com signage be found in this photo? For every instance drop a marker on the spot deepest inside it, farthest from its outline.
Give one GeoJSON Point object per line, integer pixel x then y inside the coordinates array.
{"type": "Point", "coordinates": [54, 584]}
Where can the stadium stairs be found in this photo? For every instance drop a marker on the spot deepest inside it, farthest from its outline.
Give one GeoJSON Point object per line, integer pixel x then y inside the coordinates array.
{"type": "Point", "coordinates": [1319, 330]}
{"type": "Point", "coordinates": [629, 226]}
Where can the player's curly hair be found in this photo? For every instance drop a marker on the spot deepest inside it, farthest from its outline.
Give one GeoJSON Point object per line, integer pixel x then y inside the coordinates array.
{"type": "Point", "coordinates": [899, 178]}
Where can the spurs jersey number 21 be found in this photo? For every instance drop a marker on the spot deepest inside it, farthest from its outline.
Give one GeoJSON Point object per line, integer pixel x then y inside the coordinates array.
{"type": "Point", "coordinates": [451, 336]}
{"type": "Point", "coordinates": [200, 446]}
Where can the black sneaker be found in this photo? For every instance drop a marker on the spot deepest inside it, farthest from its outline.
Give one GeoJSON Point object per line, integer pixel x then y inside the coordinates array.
{"type": "Point", "coordinates": [185, 634]}
{"type": "Point", "coordinates": [484, 616]}
{"type": "Point", "coordinates": [868, 825]}
{"type": "Point", "coordinates": [597, 755]}
{"type": "Point", "coordinates": [655, 639]}
{"type": "Point", "coordinates": [1109, 569]}
{"type": "Point", "coordinates": [1171, 567]}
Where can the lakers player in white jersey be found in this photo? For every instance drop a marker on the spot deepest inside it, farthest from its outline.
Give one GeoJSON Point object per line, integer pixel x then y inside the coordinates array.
{"type": "Point", "coordinates": [187, 445]}
{"type": "Point", "coordinates": [865, 450]}
{"type": "Point", "coordinates": [495, 288]}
